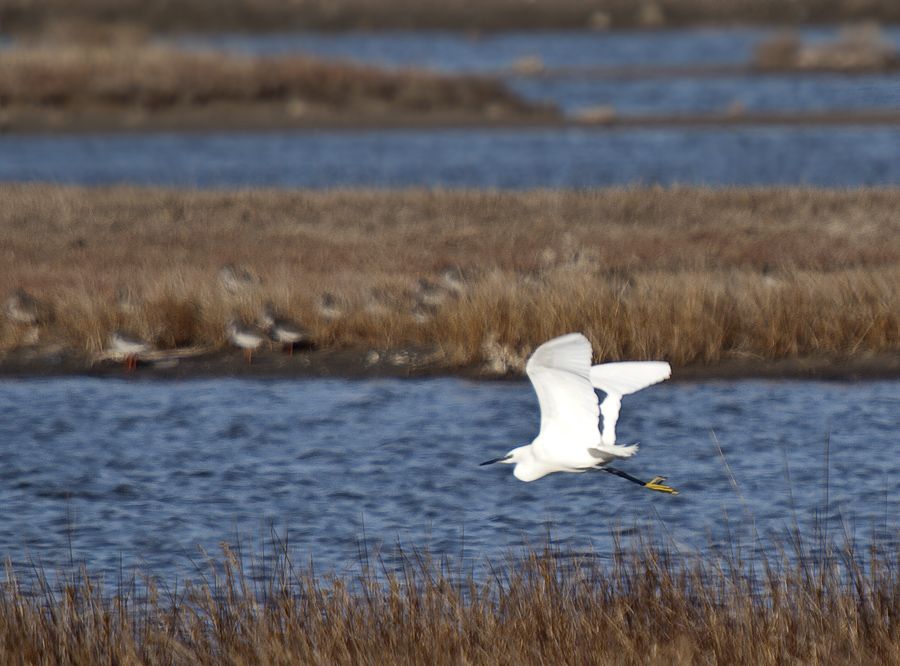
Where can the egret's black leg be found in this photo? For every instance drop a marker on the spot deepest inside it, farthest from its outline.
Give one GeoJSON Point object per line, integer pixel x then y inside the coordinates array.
{"type": "Point", "coordinates": [624, 475]}
{"type": "Point", "coordinates": [654, 484]}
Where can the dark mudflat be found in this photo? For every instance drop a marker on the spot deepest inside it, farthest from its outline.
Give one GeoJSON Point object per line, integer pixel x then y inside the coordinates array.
{"type": "Point", "coordinates": [406, 362]}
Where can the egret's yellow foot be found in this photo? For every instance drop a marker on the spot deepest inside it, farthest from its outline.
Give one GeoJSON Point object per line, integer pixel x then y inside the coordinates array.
{"type": "Point", "coordinates": [656, 483]}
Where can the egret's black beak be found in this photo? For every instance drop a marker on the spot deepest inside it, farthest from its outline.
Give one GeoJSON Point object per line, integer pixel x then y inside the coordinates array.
{"type": "Point", "coordinates": [495, 460]}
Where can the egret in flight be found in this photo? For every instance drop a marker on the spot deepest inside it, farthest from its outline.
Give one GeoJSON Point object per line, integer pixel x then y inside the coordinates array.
{"type": "Point", "coordinates": [570, 439]}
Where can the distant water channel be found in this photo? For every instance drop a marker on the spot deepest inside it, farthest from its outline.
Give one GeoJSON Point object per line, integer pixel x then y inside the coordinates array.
{"type": "Point", "coordinates": [142, 473]}
{"type": "Point", "coordinates": [492, 52]}
{"type": "Point", "coordinates": [838, 156]}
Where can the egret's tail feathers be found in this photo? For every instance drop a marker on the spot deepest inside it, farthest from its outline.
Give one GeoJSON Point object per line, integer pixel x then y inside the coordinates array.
{"type": "Point", "coordinates": [605, 453]}
{"type": "Point", "coordinates": [623, 451]}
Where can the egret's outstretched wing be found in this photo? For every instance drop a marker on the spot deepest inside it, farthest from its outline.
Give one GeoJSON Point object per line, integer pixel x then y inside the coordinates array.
{"type": "Point", "coordinates": [618, 379]}
{"type": "Point", "coordinates": [560, 372]}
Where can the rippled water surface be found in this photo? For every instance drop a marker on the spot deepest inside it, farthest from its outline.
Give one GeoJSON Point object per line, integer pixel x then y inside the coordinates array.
{"type": "Point", "coordinates": [491, 52]}
{"type": "Point", "coordinates": [148, 471]}
{"type": "Point", "coordinates": [716, 94]}
{"type": "Point", "coordinates": [833, 156]}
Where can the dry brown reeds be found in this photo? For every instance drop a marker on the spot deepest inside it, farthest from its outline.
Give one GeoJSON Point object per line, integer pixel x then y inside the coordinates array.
{"type": "Point", "coordinates": [691, 275]}
{"type": "Point", "coordinates": [862, 48]}
{"type": "Point", "coordinates": [646, 606]}
{"type": "Point", "coordinates": [213, 15]}
{"type": "Point", "coordinates": [152, 78]}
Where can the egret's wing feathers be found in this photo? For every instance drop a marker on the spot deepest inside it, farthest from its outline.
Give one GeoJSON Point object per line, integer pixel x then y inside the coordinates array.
{"type": "Point", "coordinates": [560, 372]}
{"type": "Point", "coordinates": [618, 379]}
{"type": "Point", "coordinates": [610, 407]}
{"type": "Point", "coordinates": [629, 376]}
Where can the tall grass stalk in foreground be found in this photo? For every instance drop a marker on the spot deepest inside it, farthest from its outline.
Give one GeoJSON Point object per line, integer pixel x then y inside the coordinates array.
{"type": "Point", "coordinates": [691, 275]}
{"type": "Point", "coordinates": [643, 606]}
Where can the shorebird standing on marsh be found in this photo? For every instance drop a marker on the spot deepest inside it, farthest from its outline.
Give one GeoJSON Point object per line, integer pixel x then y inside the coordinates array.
{"type": "Point", "coordinates": [330, 307]}
{"type": "Point", "coordinates": [430, 293]}
{"type": "Point", "coordinates": [246, 337]}
{"type": "Point", "coordinates": [453, 280]}
{"type": "Point", "coordinates": [282, 330]}
{"type": "Point", "coordinates": [378, 302]}
{"type": "Point", "coordinates": [422, 313]}
{"type": "Point", "coordinates": [236, 279]}
{"type": "Point", "coordinates": [22, 308]}
{"type": "Point", "coordinates": [25, 312]}
{"type": "Point", "coordinates": [129, 347]}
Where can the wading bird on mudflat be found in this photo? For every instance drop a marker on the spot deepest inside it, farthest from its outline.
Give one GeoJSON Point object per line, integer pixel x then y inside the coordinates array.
{"type": "Point", "coordinates": [129, 347]}
{"type": "Point", "coordinates": [570, 439]}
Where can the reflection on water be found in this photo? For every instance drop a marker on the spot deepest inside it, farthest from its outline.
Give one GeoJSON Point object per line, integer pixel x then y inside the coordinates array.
{"type": "Point", "coordinates": [828, 156]}
{"type": "Point", "coordinates": [150, 470]}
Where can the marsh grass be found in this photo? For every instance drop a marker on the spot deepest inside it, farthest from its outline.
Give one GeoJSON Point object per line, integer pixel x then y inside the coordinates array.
{"type": "Point", "coordinates": [691, 275]}
{"type": "Point", "coordinates": [857, 49]}
{"type": "Point", "coordinates": [645, 604]}
{"type": "Point", "coordinates": [134, 75]}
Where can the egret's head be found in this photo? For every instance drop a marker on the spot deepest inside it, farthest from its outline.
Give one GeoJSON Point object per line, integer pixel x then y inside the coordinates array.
{"type": "Point", "coordinates": [523, 458]}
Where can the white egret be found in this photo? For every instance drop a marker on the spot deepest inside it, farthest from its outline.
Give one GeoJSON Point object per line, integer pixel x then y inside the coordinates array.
{"type": "Point", "coordinates": [570, 439]}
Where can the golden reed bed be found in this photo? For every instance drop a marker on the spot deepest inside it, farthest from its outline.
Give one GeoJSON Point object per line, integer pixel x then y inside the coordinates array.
{"type": "Point", "coordinates": [126, 82]}
{"type": "Point", "coordinates": [548, 607]}
{"type": "Point", "coordinates": [691, 275]}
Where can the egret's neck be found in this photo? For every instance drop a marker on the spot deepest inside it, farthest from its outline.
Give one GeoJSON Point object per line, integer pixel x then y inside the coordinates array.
{"type": "Point", "coordinates": [528, 468]}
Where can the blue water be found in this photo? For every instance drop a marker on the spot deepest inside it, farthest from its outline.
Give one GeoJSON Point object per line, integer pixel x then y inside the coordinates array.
{"type": "Point", "coordinates": [493, 52]}
{"type": "Point", "coordinates": [716, 94]}
{"type": "Point", "coordinates": [842, 156]}
{"type": "Point", "coordinates": [832, 156]}
{"type": "Point", "coordinates": [143, 473]}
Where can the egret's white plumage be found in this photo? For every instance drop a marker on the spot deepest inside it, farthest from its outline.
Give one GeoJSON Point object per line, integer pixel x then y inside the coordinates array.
{"type": "Point", "coordinates": [570, 439]}
{"type": "Point", "coordinates": [619, 379]}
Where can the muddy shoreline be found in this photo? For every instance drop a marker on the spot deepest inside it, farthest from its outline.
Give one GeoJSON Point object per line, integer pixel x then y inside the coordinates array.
{"type": "Point", "coordinates": [278, 118]}
{"type": "Point", "coordinates": [412, 362]}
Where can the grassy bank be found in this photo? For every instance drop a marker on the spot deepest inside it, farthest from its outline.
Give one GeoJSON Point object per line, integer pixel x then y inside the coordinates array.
{"type": "Point", "coordinates": [133, 84]}
{"type": "Point", "coordinates": [691, 275]}
{"type": "Point", "coordinates": [645, 607]}
{"type": "Point", "coordinates": [213, 15]}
